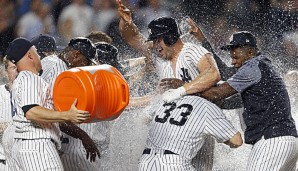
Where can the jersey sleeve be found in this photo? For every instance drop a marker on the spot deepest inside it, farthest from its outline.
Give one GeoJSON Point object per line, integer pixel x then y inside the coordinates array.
{"type": "Point", "coordinates": [217, 125]}
{"type": "Point", "coordinates": [246, 76]}
{"type": "Point", "coordinates": [32, 90]}
{"type": "Point", "coordinates": [195, 53]}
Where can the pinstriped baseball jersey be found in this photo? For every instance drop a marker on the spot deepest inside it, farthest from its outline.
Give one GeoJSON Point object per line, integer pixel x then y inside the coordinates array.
{"type": "Point", "coordinates": [5, 109]}
{"type": "Point", "coordinates": [5, 112]}
{"type": "Point", "coordinates": [52, 66]}
{"type": "Point", "coordinates": [282, 158]}
{"type": "Point", "coordinates": [181, 126]}
{"type": "Point", "coordinates": [186, 65]}
{"type": "Point", "coordinates": [29, 89]}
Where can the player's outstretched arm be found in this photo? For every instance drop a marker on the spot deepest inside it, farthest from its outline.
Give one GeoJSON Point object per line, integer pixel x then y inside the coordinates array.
{"type": "Point", "coordinates": [37, 113]}
{"type": "Point", "coordinates": [218, 93]}
{"type": "Point", "coordinates": [76, 132]}
{"type": "Point", "coordinates": [129, 31]}
{"type": "Point", "coordinates": [236, 141]}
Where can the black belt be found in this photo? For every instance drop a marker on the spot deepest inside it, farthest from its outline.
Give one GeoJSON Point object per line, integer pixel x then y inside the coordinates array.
{"type": "Point", "coordinates": [148, 150]}
{"type": "Point", "coordinates": [3, 161]}
{"type": "Point", "coordinates": [53, 141]}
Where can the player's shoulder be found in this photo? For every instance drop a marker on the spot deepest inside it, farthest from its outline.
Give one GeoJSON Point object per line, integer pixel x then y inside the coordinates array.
{"type": "Point", "coordinates": [194, 99]}
{"type": "Point", "coordinates": [199, 101]}
{"type": "Point", "coordinates": [189, 45]}
{"type": "Point", "coordinates": [194, 48]}
{"type": "Point", "coordinates": [2, 88]}
{"type": "Point", "coordinates": [51, 58]}
{"type": "Point", "coordinates": [27, 77]}
{"type": "Point", "coordinates": [52, 61]}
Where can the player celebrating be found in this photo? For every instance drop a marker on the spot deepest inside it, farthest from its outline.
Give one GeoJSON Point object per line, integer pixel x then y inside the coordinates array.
{"type": "Point", "coordinates": [6, 126]}
{"type": "Point", "coordinates": [191, 63]}
{"type": "Point", "coordinates": [267, 110]}
{"type": "Point", "coordinates": [179, 130]}
{"type": "Point", "coordinates": [37, 135]}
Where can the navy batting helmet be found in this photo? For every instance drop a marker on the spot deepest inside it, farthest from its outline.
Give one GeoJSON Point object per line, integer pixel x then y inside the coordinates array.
{"type": "Point", "coordinates": [44, 43]}
{"type": "Point", "coordinates": [165, 27]}
{"type": "Point", "coordinates": [108, 54]}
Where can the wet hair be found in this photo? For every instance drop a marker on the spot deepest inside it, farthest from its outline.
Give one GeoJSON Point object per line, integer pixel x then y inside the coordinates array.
{"type": "Point", "coordinates": [99, 36]}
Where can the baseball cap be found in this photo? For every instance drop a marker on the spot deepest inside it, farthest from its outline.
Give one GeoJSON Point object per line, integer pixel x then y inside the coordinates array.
{"type": "Point", "coordinates": [85, 46]}
{"type": "Point", "coordinates": [239, 39]}
{"type": "Point", "coordinates": [44, 43]}
{"type": "Point", "coordinates": [17, 49]}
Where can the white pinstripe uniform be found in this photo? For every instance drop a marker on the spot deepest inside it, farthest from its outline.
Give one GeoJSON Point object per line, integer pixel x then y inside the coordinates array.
{"type": "Point", "coordinates": [74, 154]}
{"type": "Point", "coordinates": [5, 120]}
{"type": "Point", "coordinates": [35, 145]}
{"type": "Point", "coordinates": [187, 70]}
{"type": "Point", "coordinates": [181, 127]}
{"type": "Point", "coordinates": [274, 154]}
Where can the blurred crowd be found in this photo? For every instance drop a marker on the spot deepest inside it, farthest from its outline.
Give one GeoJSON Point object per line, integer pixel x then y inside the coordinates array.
{"type": "Point", "coordinates": [274, 22]}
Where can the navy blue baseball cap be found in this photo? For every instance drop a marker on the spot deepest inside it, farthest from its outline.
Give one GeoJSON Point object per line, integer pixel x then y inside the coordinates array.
{"type": "Point", "coordinates": [86, 47]}
{"type": "Point", "coordinates": [239, 39]}
{"type": "Point", "coordinates": [44, 43]}
{"type": "Point", "coordinates": [17, 49]}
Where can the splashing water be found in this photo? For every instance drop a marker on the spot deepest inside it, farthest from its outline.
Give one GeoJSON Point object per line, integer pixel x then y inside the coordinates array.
{"type": "Point", "coordinates": [129, 133]}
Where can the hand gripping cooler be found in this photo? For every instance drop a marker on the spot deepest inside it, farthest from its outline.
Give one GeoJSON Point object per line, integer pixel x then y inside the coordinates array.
{"type": "Point", "coordinates": [100, 90]}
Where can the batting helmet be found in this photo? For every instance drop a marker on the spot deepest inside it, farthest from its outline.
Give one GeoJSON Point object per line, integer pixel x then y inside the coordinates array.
{"type": "Point", "coordinates": [44, 43]}
{"type": "Point", "coordinates": [165, 27]}
{"type": "Point", "coordinates": [108, 54]}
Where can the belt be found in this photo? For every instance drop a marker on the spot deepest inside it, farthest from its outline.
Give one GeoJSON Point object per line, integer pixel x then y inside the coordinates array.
{"type": "Point", "coordinates": [37, 139]}
{"type": "Point", "coordinates": [148, 150]}
{"type": "Point", "coordinates": [2, 161]}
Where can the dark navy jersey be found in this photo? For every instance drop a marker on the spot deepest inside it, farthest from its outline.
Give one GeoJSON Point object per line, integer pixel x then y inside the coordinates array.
{"type": "Point", "coordinates": [267, 110]}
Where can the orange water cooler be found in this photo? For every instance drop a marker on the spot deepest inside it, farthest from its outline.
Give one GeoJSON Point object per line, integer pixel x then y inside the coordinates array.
{"type": "Point", "coordinates": [101, 90]}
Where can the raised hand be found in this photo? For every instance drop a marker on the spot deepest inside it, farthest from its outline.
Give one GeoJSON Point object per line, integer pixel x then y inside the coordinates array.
{"type": "Point", "coordinates": [124, 12]}
{"type": "Point", "coordinates": [195, 30]}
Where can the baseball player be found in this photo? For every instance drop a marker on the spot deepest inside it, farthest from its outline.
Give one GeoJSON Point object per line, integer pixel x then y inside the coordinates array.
{"type": "Point", "coordinates": [6, 115]}
{"type": "Point", "coordinates": [37, 135]}
{"type": "Point", "coordinates": [193, 65]}
{"type": "Point", "coordinates": [267, 110]}
{"type": "Point", "coordinates": [179, 130]}
{"type": "Point", "coordinates": [99, 36]}
{"type": "Point", "coordinates": [77, 136]}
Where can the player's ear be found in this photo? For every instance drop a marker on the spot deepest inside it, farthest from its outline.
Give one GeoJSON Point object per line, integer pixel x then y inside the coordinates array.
{"type": "Point", "coordinates": [29, 55]}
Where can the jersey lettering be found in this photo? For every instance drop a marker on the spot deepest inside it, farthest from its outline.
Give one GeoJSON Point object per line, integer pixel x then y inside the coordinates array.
{"type": "Point", "coordinates": [185, 77]}
{"type": "Point", "coordinates": [170, 109]}
{"type": "Point", "coordinates": [183, 114]}
{"type": "Point", "coordinates": [167, 112]}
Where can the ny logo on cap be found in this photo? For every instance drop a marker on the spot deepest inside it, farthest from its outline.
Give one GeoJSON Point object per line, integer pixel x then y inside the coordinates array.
{"type": "Point", "coordinates": [247, 41]}
{"type": "Point", "coordinates": [149, 30]}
